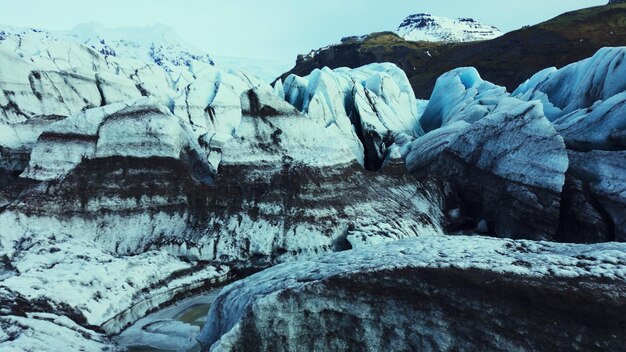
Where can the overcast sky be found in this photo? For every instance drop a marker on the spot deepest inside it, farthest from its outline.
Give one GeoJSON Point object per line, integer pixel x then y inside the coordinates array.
{"type": "Point", "coordinates": [274, 29]}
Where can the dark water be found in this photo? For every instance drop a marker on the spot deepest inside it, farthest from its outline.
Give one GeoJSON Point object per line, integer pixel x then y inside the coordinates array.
{"type": "Point", "coordinates": [193, 314]}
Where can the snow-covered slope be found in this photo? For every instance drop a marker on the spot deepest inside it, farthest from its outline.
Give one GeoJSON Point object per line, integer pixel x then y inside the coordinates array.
{"type": "Point", "coordinates": [157, 44]}
{"type": "Point", "coordinates": [429, 28]}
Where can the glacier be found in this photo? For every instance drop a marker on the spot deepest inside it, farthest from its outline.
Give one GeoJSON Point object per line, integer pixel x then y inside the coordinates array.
{"type": "Point", "coordinates": [163, 161]}
{"type": "Point", "coordinates": [162, 156]}
{"type": "Point", "coordinates": [578, 85]}
{"type": "Point", "coordinates": [460, 95]}
{"type": "Point", "coordinates": [129, 182]}
{"type": "Point", "coordinates": [266, 69]}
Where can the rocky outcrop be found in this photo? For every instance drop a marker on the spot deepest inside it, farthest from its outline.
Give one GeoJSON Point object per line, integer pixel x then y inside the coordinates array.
{"type": "Point", "coordinates": [419, 294]}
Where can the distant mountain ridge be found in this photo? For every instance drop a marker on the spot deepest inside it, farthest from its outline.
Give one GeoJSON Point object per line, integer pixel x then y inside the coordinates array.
{"type": "Point", "coordinates": [429, 28]}
{"type": "Point", "coordinates": [158, 44]}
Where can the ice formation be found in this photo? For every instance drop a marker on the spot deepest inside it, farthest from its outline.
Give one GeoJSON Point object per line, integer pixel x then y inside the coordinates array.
{"type": "Point", "coordinates": [408, 293]}
{"type": "Point", "coordinates": [367, 105]}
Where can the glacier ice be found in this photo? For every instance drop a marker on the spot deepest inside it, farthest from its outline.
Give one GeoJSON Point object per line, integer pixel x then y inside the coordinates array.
{"type": "Point", "coordinates": [460, 95]}
{"type": "Point", "coordinates": [578, 108]}
{"type": "Point", "coordinates": [584, 100]}
{"type": "Point", "coordinates": [142, 129]}
{"type": "Point", "coordinates": [68, 78]}
{"type": "Point", "coordinates": [157, 44]}
{"type": "Point", "coordinates": [378, 297]}
{"type": "Point", "coordinates": [579, 85]}
{"type": "Point", "coordinates": [601, 127]}
{"type": "Point", "coordinates": [367, 105]}
{"type": "Point", "coordinates": [595, 186]}
{"type": "Point", "coordinates": [505, 168]}
{"type": "Point", "coordinates": [149, 159]}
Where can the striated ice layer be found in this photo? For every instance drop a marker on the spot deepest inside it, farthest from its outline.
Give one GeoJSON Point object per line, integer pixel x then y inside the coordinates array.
{"type": "Point", "coordinates": [410, 293]}
{"type": "Point", "coordinates": [285, 186]}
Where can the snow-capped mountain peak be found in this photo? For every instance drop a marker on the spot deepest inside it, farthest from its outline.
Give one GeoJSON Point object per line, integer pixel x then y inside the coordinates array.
{"type": "Point", "coordinates": [426, 27]}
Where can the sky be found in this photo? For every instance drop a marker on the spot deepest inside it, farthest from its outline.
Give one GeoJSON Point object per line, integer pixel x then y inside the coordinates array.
{"type": "Point", "coordinates": [274, 29]}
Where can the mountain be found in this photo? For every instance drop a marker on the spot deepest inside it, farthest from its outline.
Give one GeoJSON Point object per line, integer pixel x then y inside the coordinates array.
{"type": "Point", "coordinates": [156, 44]}
{"type": "Point", "coordinates": [562, 40]}
{"type": "Point", "coordinates": [429, 28]}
